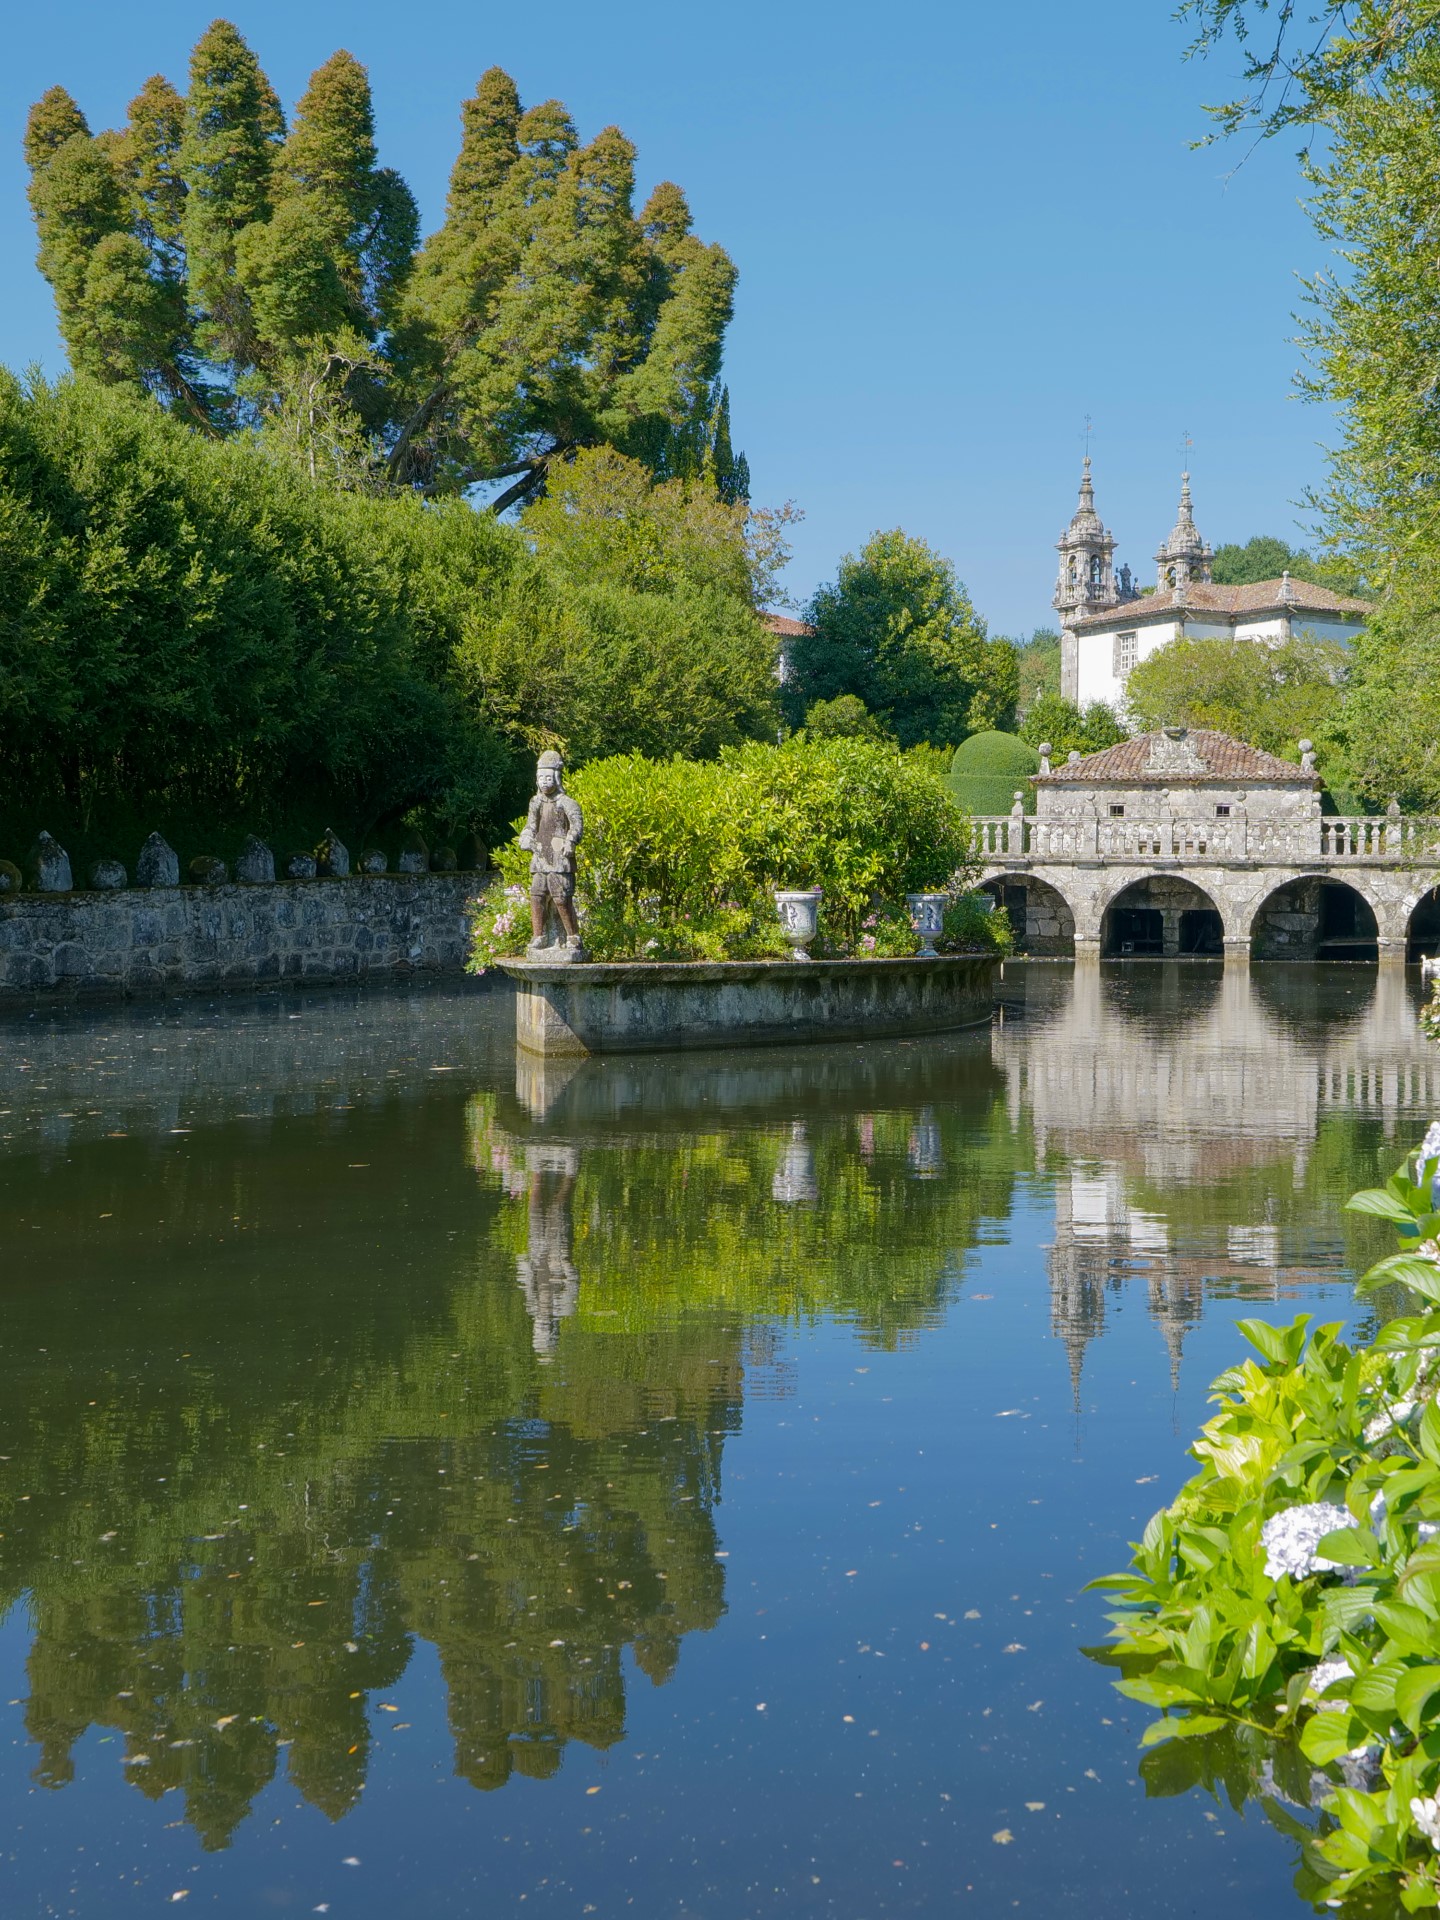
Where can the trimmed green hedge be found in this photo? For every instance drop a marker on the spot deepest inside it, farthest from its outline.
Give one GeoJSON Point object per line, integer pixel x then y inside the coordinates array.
{"type": "Point", "coordinates": [987, 769]}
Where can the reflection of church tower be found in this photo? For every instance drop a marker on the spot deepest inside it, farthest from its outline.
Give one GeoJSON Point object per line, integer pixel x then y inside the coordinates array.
{"type": "Point", "coordinates": [1078, 1266]}
{"type": "Point", "coordinates": [1184, 556]}
{"type": "Point", "coordinates": [1086, 580]}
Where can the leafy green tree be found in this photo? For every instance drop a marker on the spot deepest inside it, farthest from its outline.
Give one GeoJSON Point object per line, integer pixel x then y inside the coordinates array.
{"type": "Point", "coordinates": [1268, 695]}
{"type": "Point", "coordinates": [846, 717]}
{"type": "Point", "coordinates": [1263, 557]}
{"type": "Point", "coordinates": [1296, 76]}
{"type": "Point", "coordinates": [256, 277]}
{"type": "Point", "coordinates": [1068, 730]}
{"type": "Point", "coordinates": [637, 628]}
{"type": "Point", "coordinates": [897, 629]}
{"type": "Point", "coordinates": [1039, 668]}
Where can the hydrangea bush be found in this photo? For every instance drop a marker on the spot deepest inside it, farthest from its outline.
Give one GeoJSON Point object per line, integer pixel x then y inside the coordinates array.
{"type": "Point", "coordinates": [1283, 1613]}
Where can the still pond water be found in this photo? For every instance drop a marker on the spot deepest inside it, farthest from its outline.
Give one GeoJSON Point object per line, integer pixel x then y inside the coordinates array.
{"type": "Point", "coordinates": [658, 1487]}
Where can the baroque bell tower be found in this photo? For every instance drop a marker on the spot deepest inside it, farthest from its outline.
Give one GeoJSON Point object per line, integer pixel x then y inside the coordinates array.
{"type": "Point", "coordinates": [1086, 581]}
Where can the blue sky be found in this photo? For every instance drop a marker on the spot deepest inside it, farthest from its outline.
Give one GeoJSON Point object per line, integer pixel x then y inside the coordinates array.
{"type": "Point", "coordinates": [959, 230]}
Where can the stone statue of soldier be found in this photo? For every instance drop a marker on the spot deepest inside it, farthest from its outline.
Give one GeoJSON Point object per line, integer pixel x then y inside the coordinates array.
{"type": "Point", "coordinates": [550, 836]}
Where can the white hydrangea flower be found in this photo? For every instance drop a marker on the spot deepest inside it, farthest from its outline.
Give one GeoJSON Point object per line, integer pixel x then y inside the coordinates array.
{"type": "Point", "coordinates": [1426, 1815]}
{"type": "Point", "coordinates": [1426, 1530]}
{"type": "Point", "coordinates": [1325, 1675]}
{"type": "Point", "coordinates": [1428, 1150]}
{"type": "Point", "coordinates": [1290, 1539]}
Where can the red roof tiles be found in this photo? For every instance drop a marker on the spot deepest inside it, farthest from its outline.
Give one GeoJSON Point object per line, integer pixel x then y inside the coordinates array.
{"type": "Point", "coordinates": [1262, 596]}
{"type": "Point", "coordinates": [1213, 757]}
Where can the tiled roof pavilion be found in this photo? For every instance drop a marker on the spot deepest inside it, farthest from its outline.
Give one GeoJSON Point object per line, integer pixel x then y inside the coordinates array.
{"type": "Point", "coordinates": [1188, 757]}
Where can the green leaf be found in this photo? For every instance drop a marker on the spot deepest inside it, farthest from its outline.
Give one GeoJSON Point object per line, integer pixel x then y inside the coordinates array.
{"type": "Point", "coordinates": [1413, 1692]}
{"type": "Point", "coordinates": [1326, 1736]}
{"type": "Point", "coordinates": [1272, 1343]}
{"type": "Point", "coordinates": [1408, 1629]}
{"type": "Point", "coordinates": [1351, 1547]}
{"type": "Point", "coordinates": [1189, 1727]}
{"type": "Point", "coordinates": [1404, 1269]}
{"type": "Point", "coordinates": [1374, 1200]}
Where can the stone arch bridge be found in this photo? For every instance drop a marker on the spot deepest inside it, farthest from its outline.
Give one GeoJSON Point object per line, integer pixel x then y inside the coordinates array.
{"type": "Point", "coordinates": [1327, 887]}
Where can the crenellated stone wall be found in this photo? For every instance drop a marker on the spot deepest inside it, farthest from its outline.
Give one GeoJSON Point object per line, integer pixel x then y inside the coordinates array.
{"type": "Point", "coordinates": [143, 940]}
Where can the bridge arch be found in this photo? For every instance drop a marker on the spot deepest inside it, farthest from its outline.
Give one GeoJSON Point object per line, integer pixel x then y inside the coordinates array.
{"type": "Point", "coordinates": [1041, 916]}
{"type": "Point", "coordinates": [1422, 927]}
{"type": "Point", "coordinates": [1162, 915]}
{"type": "Point", "coordinates": [1314, 916]}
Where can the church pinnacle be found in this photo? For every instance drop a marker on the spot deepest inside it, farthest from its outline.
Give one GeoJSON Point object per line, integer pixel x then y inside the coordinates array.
{"type": "Point", "coordinates": [1184, 556]}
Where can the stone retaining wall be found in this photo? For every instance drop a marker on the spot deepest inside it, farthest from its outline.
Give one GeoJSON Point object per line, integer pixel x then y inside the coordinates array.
{"type": "Point", "coordinates": [645, 1006]}
{"type": "Point", "coordinates": [168, 938]}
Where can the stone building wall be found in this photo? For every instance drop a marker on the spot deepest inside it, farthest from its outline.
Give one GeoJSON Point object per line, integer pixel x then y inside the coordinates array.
{"type": "Point", "coordinates": [174, 938]}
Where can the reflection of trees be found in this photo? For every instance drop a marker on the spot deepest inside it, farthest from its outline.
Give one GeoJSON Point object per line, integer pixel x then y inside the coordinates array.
{"type": "Point", "coordinates": [303, 1416]}
{"type": "Point", "coordinates": [301, 1476]}
{"type": "Point", "coordinates": [842, 1213]}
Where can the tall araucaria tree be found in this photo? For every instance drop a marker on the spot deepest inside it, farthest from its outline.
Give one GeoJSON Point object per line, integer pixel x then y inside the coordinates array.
{"type": "Point", "coordinates": [260, 278]}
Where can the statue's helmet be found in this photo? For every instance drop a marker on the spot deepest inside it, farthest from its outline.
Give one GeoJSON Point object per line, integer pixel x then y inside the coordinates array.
{"type": "Point", "coordinates": [551, 759]}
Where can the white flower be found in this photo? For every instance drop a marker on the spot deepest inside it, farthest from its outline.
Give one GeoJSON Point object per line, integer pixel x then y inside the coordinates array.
{"type": "Point", "coordinates": [1325, 1675]}
{"type": "Point", "coordinates": [1425, 1530]}
{"type": "Point", "coordinates": [1426, 1815]}
{"type": "Point", "coordinates": [1290, 1539]}
{"type": "Point", "coordinates": [1428, 1150]}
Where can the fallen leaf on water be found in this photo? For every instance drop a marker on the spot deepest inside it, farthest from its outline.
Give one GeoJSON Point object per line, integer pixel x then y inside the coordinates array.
{"type": "Point", "coordinates": [1146, 1478]}
{"type": "Point", "coordinates": [1003, 1837]}
{"type": "Point", "coordinates": [183, 1894]}
{"type": "Point", "coordinates": [973, 1613]}
{"type": "Point", "coordinates": [1007, 1413]}
{"type": "Point", "coordinates": [1035, 1806]}
{"type": "Point", "coordinates": [385, 1707]}
{"type": "Point", "coordinates": [592, 1789]}
{"type": "Point", "coordinates": [1090, 1774]}
{"type": "Point", "coordinates": [1015, 1646]}
{"type": "Point", "coordinates": [1035, 1706]}
{"type": "Point", "coordinates": [224, 1721]}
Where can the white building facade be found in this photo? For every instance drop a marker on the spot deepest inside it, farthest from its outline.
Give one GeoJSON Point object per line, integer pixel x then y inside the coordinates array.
{"type": "Point", "coordinates": [1107, 626]}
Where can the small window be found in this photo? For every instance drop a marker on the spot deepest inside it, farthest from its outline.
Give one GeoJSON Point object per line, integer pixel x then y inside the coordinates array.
{"type": "Point", "coordinates": [1222, 813]}
{"type": "Point", "coordinates": [1117, 813]}
{"type": "Point", "coordinates": [1124, 654]}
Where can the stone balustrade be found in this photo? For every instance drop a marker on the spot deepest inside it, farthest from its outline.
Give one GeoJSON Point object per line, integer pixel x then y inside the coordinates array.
{"type": "Point", "coordinates": [1388, 839]}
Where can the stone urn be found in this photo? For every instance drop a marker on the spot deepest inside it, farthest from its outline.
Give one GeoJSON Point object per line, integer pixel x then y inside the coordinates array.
{"type": "Point", "coordinates": [799, 919]}
{"type": "Point", "coordinates": [927, 917]}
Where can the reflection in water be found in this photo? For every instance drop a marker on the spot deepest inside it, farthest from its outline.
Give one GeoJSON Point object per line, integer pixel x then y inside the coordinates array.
{"type": "Point", "coordinates": [1195, 1118]}
{"type": "Point", "coordinates": [332, 1331]}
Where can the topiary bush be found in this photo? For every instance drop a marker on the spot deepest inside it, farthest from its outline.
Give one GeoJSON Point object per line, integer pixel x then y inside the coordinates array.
{"type": "Point", "coordinates": [987, 769]}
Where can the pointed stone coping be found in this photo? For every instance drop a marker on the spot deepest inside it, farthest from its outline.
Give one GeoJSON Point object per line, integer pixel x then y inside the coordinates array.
{"type": "Point", "coordinates": [652, 1006]}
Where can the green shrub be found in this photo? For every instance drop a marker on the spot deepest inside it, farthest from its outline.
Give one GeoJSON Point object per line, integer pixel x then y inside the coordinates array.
{"type": "Point", "coordinates": [681, 858]}
{"type": "Point", "coordinates": [987, 770]}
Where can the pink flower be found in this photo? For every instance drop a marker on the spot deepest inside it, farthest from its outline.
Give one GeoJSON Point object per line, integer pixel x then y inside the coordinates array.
{"type": "Point", "coordinates": [872, 921]}
{"type": "Point", "coordinates": [867, 940]}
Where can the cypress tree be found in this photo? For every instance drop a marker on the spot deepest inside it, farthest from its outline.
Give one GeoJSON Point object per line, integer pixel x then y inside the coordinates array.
{"type": "Point", "coordinates": [233, 124]}
{"type": "Point", "coordinates": [53, 119]}
{"type": "Point", "coordinates": [150, 157]}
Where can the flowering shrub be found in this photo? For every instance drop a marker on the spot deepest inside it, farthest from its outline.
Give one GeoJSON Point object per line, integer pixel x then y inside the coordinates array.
{"type": "Point", "coordinates": [1282, 1612]}
{"type": "Point", "coordinates": [499, 925]}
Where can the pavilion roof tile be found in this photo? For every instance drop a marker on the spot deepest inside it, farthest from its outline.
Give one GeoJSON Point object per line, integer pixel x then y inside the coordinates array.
{"type": "Point", "coordinates": [1159, 760]}
{"type": "Point", "coordinates": [1261, 596]}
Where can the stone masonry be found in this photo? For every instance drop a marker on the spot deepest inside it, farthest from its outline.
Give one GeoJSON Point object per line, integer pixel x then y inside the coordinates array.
{"type": "Point", "coordinates": [177, 938]}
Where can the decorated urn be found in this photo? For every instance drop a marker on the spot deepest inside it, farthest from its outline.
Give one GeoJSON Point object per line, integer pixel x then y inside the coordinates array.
{"type": "Point", "coordinates": [927, 917]}
{"type": "Point", "coordinates": [799, 912]}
